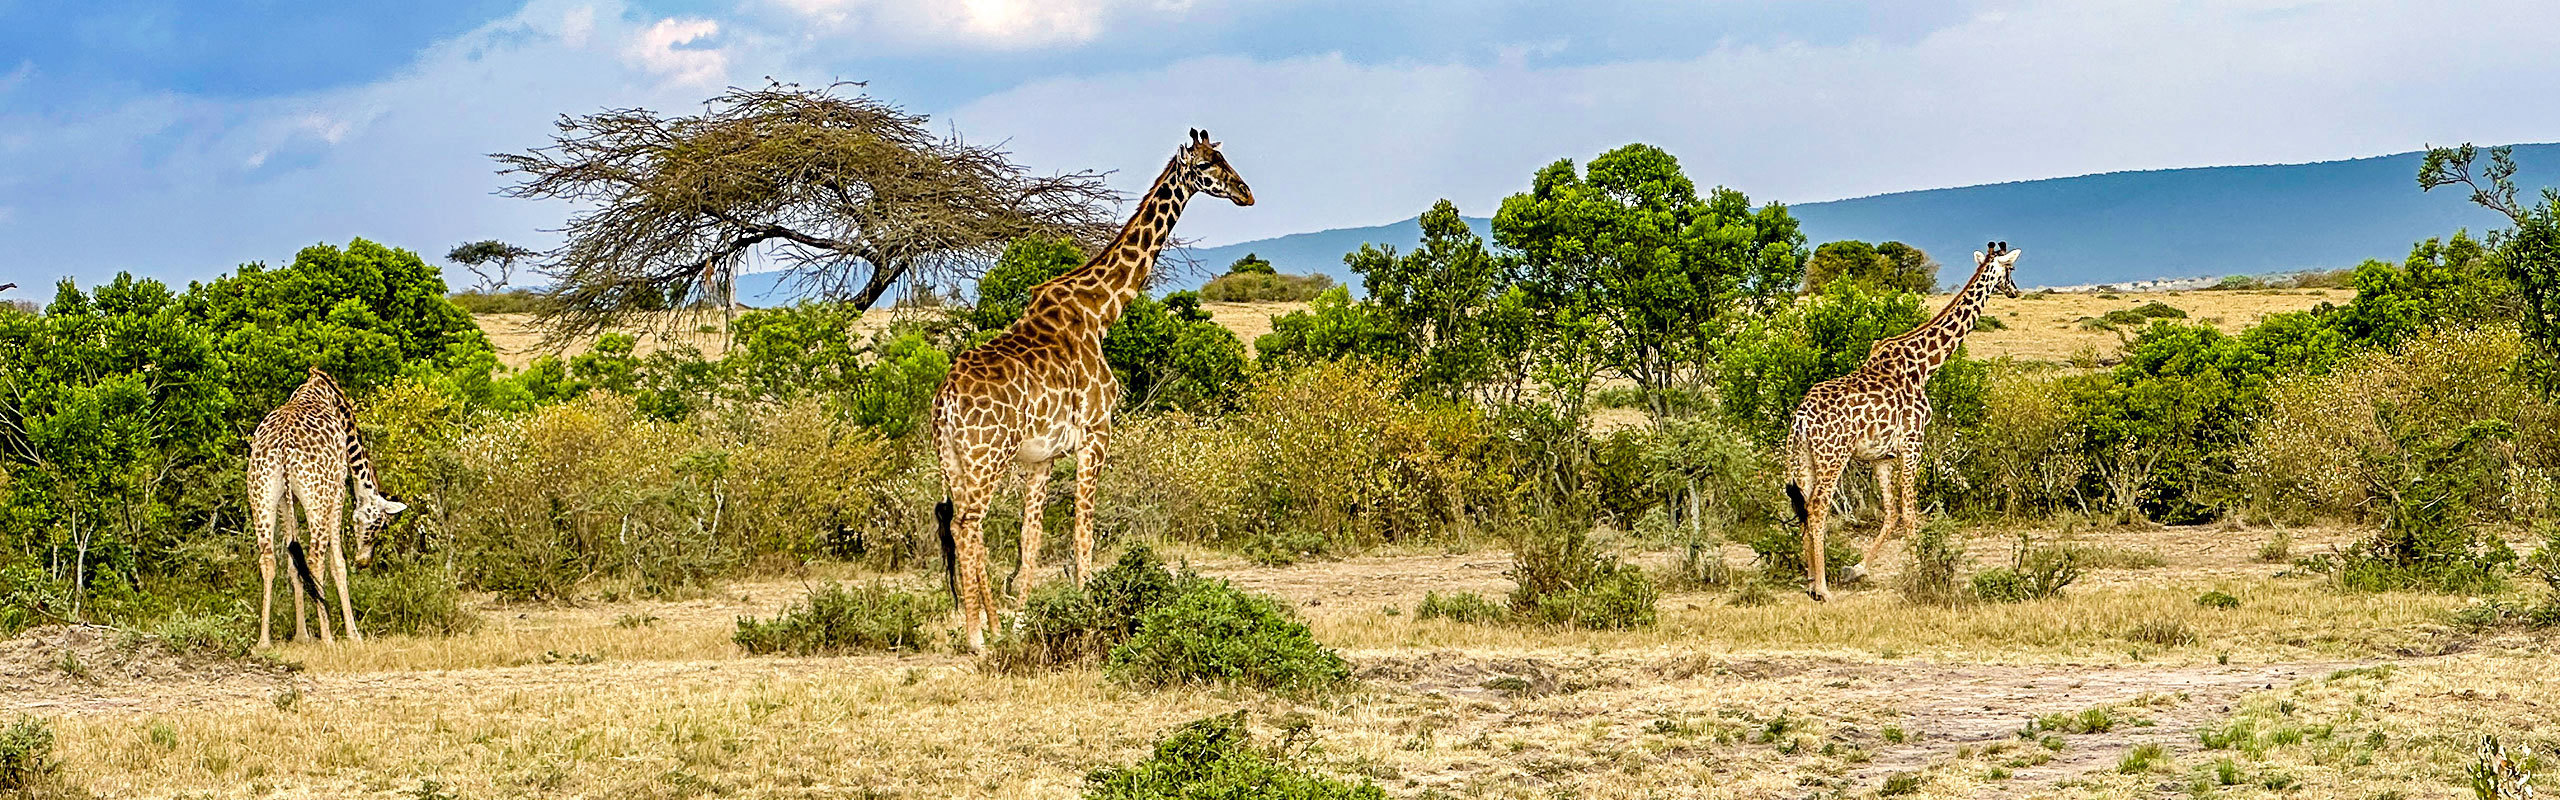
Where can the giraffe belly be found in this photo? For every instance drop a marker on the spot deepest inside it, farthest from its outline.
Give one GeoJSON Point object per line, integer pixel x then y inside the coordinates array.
{"type": "Point", "coordinates": [1057, 441]}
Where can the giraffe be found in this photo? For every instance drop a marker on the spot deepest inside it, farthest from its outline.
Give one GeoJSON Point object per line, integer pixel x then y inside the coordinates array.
{"type": "Point", "coordinates": [306, 451]}
{"type": "Point", "coordinates": [1877, 414]}
{"type": "Point", "coordinates": [1041, 389]}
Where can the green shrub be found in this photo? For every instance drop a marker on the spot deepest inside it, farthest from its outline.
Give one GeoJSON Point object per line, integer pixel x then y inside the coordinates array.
{"type": "Point", "coordinates": [1062, 625]}
{"type": "Point", "coordinates": [1562, 579]}
{"type": "Point", "coordinates": [1937, 557]}
{"type": "Point", "coordinates": [1216, 759]}
{"type": "Point", "coordinates": [1458, 607]}
{"type": "Point", "coordinates": [2218, 599]}
{"type": "Point", "coordinates": [834, 619]}
{"type": "Point", "coordinates": [1264, 287]}
{"type": "Point", "coordinates": [1988, 322]}
{"type": "Point", "coordinates": [417, 598]}
{"type": "Point", "coordinates": [1701, 566]}
{"type": "Point", "coordinates": [2143, 758]}
{"type": "Point", "coordinates": [1900, 783]}
{"type": "Point", "coordinates": [207, 634]}
{"type": "Point", "coordinates": [511, 301]}
{"type": "Point", "coordinates": [27, 765]}
{"type": "Point", "coordinates": [1781, 554]}
{"type": "Point", "coordinates": [1212, 632]}
{"type": "Point", "coordinates": [2036, 573]}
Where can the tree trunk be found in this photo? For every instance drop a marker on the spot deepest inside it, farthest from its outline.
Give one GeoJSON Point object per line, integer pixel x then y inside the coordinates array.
{"type": "Point", "coordinates": [883, 278]}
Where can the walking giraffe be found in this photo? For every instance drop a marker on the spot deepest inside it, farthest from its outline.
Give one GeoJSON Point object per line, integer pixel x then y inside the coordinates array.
{"type": "Point", "coordinates": [307, 450]}
{"type": "Point", "coordinates": [1877, 414]}
{"type": "Point", "coordinates": [1041, 390]}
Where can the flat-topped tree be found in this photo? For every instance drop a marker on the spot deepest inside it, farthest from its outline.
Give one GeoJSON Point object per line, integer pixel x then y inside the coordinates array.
{"type": "Point", "coordinates": [849, 193]}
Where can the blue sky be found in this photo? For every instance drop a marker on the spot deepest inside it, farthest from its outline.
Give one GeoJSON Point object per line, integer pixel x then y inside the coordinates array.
{"type": "Point", "coordinates": [178, 139]}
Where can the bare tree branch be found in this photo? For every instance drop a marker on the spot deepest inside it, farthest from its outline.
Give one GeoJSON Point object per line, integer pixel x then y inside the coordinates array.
{"type": "Point", "coordinates": [850, 194]}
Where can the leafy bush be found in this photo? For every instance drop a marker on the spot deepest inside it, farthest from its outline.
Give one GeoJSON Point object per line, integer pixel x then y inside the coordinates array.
{"type": "Point", "coordinates": [834, 619]}
{"type": "Point", "coordinates": [1562, 579]}
{"type": "Point", "coordinates": [417, 598]}
{"type": "Point", "coordinates": [1062, 625]}
{"type": "Point", "coordinates": [1937, 556]}
{"type": "Point", "coordinates": [1264, 287]}
{"type": "Point", "coordinates": [2036, 573]}
{"type": "Point", "coordinates": [1340, 460]}
{"type": "Point", "coordinates": [1212, 632]}
{"type": "Point", "coordinates": [27, 765]}
{"type": "Point", "coordinates": [1466, 607]}
{"type": "Point", "coordinates": [1216, 759]}
{"type": "Point", "coordinates": [1781, 554]}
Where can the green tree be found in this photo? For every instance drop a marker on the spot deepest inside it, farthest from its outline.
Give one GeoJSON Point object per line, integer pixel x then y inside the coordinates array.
{"type": "Point", "coordinates": [1892, 266]}
{"type": "Point", "coordinates": [1769, 364]}
{"type": "Point", "coordinates": [1447, 300]}
{"type": "Point", "coordinates": [1251, 264]}
{"type": "Point", "coordinates": [1331, 328]}
{"type": "Point", "coordinates": [2441, 283]}
{"type": "Point", "coordinates": [2528, 254]}
{"type": "Point", "coordinates": [1006, 287]}
{"type": "Point", "coordinates": [1631, 247]}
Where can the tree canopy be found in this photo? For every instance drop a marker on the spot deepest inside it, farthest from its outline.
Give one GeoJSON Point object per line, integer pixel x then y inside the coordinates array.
{"type": "Point", "coordinates": [850, 193]}
{"type": "Point", "coordinates": [1631, 246]}
{"type": "Point", "coordinates": [1892, 266]}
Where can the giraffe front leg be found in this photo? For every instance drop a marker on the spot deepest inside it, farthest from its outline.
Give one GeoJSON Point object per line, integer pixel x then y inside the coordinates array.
{"type": "Point", "coordinates": [346, 603]}
{"type": "Point", "coordinates": [1088, 479]}
{"type": "Point", "coordinates": [263, 518]}
{"type": "Point", "coordinates": [1035, 505]}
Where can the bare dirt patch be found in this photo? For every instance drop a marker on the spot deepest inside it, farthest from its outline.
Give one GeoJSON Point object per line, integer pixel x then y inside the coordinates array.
{"type": "Point", "coordinates": [92, 668]}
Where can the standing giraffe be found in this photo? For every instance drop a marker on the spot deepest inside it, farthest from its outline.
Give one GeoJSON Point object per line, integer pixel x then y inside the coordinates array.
{"type": "Point", "coordinates": [1042, 389]}
{"type": "Point", "coordinates": [307, 450]}
{"type": "Point", "coordinates": [1877, 415]}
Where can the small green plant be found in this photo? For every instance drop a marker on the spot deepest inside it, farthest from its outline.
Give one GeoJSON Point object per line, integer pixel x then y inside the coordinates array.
{"type": "Point", "coordinates": [1752, 594]}
{"type": "Point", "coordinates": [1458, 607]}
{"type": "Point", "coordinates": [1987, 322]}
{"type": "Point", "coordinates": [2143, 758]}
{"type": "Point", "coordinates": [1781, 554]}
{"type": "Point", "coordinates": [432, 789]}
{"type": "Point", "coordinates": [1937, 556]}
{"type": "Point", "coordinates": [2500, 772]}
{"type": "Point", "coordinates": [1062, 625]}
{"type": "Point", "coordinates": [1217, 759]}
{"type": "Point", "coordinates": [287, 698]}
{"type": "Point", "coordinates": [835, 619]}
{"type": "Point", "coordinates": [2278, 549]}
{"type": "Point", "coordinates": [71, 666]}
{"type": "Point", "coordinates": [162, 736]}
{"type": "Point", "coordinates": [1561, 578]}
{"type": "Point", "coordinates": [1701, 565]}
{"type": "Point", "coordinates": [639, 620]}
{"type": "Point", "coordinates": [1895, 734]}
{"type": "Point", "coordinates": [1900, 783]}
{"type": "Point", "coordinates": [2036, 573]}
{"type": "Point", "coordinates": [2218, 599]}
{"type": "Point", "coordinates": [27, 765]}
{"type": "Point", "coordinates": [1214, 633]}
{"type": "Point", "coordinates": [2226, 772]}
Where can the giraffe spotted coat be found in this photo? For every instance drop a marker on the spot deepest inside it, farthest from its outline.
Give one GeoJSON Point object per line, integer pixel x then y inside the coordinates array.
{"type": "Point", "coordinates": [1877, 415]}
{"type": "Point", "coordinates": [306, 451]}
{"type": "Point", "coordinates": [1042, 389]}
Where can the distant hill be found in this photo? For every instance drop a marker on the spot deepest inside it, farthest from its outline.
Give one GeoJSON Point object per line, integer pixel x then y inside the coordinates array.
{"type": "Point", "coordinates": [2109, 228]}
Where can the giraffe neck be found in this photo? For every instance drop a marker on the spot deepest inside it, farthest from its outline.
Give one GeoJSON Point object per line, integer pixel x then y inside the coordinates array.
{"type": "Point", "coordinates": [1935, 341]}
{"type": "Point", "coordinates": [359, 465]}
{"type": "Point", "coordinates": [1104, 285]}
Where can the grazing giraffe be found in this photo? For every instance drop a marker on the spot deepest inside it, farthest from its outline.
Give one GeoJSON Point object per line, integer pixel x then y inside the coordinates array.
{"type": "Point", "coordinates": [307, 450]}
{"type": "Point", "coordinates": [1041, 390]}
{"type": "Point", "coordinates": [1877, 414]}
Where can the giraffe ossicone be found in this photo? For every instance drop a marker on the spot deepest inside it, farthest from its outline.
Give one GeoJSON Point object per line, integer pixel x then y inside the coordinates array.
{"type": "Point", "coordinates": [1877, 415]}
{"type": "Point", "coordinates": [306, 453]}
{"type": "Point", "coordinates": [1042, 389]}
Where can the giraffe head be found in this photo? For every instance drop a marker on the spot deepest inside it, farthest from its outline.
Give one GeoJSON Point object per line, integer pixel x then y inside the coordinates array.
{"type": "Point", "coordinates": [1206, 170]}
{"type": "Point", "coordinates": [2002, 262]}
{"type": "Point", "coordinates": [373, 511]}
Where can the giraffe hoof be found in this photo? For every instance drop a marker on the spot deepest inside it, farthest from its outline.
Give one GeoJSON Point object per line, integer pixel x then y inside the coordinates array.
{"type": "Point", "coordinates": [1819, 595]}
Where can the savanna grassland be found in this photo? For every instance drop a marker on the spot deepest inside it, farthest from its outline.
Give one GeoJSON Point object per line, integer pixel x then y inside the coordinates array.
{"type": "Point", "coordinates": [1508, 524]}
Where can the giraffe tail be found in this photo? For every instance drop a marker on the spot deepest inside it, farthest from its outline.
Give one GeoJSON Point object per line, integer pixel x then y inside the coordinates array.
{"type": "Point", "coordinates": [1795, 497]}
{"type": "Point", "coordinates": [302, 567]}
{"type": "Point", "coordinates": [950, 555]}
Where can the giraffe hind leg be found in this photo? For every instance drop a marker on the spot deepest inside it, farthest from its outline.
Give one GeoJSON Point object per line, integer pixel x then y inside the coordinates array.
{"type": "Point", "coordinates": [1035, 504]}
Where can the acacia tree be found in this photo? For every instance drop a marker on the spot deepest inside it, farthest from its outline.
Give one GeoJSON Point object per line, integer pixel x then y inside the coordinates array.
{"type": "Point", "coordinates": [850, 193]}
{"type": "Point", "coordinates": [1632, 249]}
{"type": "Point", "coordinates": [1454, 303]}
{"type": "Point", "coordinates": [2528, 254]}
{"type": "Point", "coordinates": [480, 256]}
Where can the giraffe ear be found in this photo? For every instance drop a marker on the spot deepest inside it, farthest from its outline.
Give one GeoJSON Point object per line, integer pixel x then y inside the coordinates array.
{"type": "Point", "coordinates": [1979, 258]}
{"type": "Point", "coordinates": [390, 506]}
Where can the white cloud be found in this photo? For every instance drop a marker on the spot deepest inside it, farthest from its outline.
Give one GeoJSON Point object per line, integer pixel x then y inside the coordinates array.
{"type": "Point", "coordinates": [660, 50]}
{"type": "Point", "coordinates": [992, 24]}
{"type": "Point", "coordinates": [2023, 92]}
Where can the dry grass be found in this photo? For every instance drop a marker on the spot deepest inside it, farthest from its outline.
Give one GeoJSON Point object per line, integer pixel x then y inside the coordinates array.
{"type": "Point", "coordinates": [2046, 327]}
{"type": "Point", "coordinates": [649, 699]}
